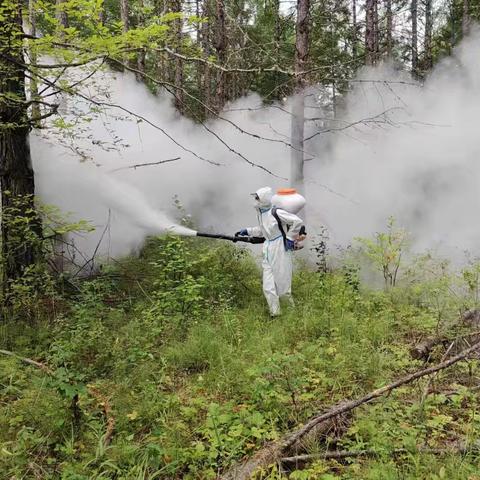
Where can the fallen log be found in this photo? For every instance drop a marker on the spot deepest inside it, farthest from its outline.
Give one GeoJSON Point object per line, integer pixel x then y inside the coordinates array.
{"type": "Point", "coordinates": [471, 318]}
{"type": "Point", "coordinates": [274, 451]}
{"type": "Point", "coordinates": [322, 433]}
{"type": "Point", "coordinates": [422, 350]}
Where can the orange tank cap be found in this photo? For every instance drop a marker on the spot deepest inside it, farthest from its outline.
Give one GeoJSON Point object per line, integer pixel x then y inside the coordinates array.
{"type": "Point", "coordinates": [286, 191]}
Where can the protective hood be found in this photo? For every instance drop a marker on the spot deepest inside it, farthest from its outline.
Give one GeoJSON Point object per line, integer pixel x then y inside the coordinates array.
{"type": "Point", "coordinates": [265, 195]}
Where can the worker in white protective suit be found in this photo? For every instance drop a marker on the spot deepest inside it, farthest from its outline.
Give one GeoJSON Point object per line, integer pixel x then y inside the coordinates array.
{"type": "Point", "coordinates": [278, 250]}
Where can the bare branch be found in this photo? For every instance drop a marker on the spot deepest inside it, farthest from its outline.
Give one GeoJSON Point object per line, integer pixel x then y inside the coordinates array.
{"type": "Point", "coordinates": [145, 164]}
{"type": "Point", "coordinates": [379, 118]}
{"type": "Point", "coordinates": [66, 65]}
{"type": "Point", "coordinates": [99, 103]}
{"type": "Point", "coordinates": [173, 88]}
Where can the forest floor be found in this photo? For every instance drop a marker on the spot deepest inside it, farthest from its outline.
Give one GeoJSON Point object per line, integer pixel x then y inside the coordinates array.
{"type": "Point", "coordinates": [168, 366]}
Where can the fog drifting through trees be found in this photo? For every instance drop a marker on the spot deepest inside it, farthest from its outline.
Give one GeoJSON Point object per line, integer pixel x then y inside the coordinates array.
{"type": "Point", "coordinates": [414, 155]}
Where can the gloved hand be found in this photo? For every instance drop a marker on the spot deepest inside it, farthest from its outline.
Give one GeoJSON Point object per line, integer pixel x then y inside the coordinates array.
{"type": "Point", "coordinates": [242, 233]}
{"type": "Point", "coordinates": [290, 245]}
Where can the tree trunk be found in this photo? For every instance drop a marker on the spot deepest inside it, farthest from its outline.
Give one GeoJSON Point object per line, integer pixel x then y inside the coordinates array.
{"type": "Point", "coordinates": [414, 13]}
{"type": "Point", "coordinates": [16, 173]}
{"type": "Point", "coordinates": [428, 35]}
{"type": "Point", "coordinates": [61, 16]}
{"type": "Point", "coordinates": [178, 80]}
{"type": "Point", "coordinates": [199, 68]}
{"type": "Point", "coordinates": [221, 49]}
{"type": "Point", "coordinates": [125, 19]}
{"type": "Point", "coordinates": [207, 12]}
{"type": "Point", "coordinates": [277, 38]}
{"type": "Point", "coordinates": [370, 57]}
{"type": "Point", "coordinates": [466, 18]}
{"type": "Point", "coordinates": [125, 15]}
{"type": "Point", "coordinates": [32, 54]}
{"type": "Point", "coordinates": [298, 108]}
{"type": "Point", "coordinates": [354, 29]}
{"type": "Point", "coordinates": [376, 30]}
{"type": "Point", "coordinates": [141, 54]}
{"type": "Point", "coordinates": [389, 26]}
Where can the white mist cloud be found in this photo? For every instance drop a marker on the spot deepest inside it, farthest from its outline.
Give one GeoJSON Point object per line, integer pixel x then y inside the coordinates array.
{"type": "Point", "coordinates": [423, 168]}
{"type": "Point", "coordinates": [418, 162]}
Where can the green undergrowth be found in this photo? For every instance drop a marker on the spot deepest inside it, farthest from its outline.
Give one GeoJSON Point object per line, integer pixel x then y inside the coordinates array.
{"type": "Point", "coordinates": [177, 349]}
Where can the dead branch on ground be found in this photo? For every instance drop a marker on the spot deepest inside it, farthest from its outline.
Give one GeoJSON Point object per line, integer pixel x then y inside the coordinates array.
{"type": "Point", "coordinates": [341, 454]}
{"type": "Point", "coordinates": [274, 451]}
{"type": "Point", "coordinates": [28, 361]}
{"type": "Point", "coordinates": [104, 402]}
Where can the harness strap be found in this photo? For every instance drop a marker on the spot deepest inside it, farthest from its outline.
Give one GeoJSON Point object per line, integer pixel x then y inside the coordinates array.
{"type": "Point", "coordinates": [280, 226]}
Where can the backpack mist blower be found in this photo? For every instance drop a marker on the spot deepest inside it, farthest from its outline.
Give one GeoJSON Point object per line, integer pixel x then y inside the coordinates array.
{"type": "Point", "coordinates": [238, 238]}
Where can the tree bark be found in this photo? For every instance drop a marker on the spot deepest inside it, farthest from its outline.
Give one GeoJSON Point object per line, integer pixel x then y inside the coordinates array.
{"type": "Point", "coordinates": [370, 28]}
{"type": "Point", "coordinates": [466, 18]}
{"type": "Point", "coordinates": [16, 173]}
{"type": "Point", "coordinates": [221, 50]}
{"type": "Point", "coordinates": [178, 80]}
{"type": "Point", "coordinates": [125, 15]}
{"type": "Point", "coordinates": [298, 108]}
{"type": "Point", "coordinates": [428, 35]}
{"type": "Point", "coordinates": [376, 30]}
{"type": "Point", "coordinates": [354, 29]}
{"type": "Point", "coordinates": [141, 54]}
{"type": "Point", "coordinates": [389, 27]}
{"type": "Point", "coordinates": [198, 37]}
{"type": "Point", "coordinates": [125, 19]}
{"type": "Point", "coordinates": [207, 11]}
{"type": "Point", "coordinates": [61, 16]}
{"type": "Point", "coordinates": [32, 54]}
{"type": "Point", "coordinates": [414, 47]}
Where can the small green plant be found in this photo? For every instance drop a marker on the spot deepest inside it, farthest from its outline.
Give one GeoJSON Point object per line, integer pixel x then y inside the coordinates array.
{"type": "Point", "coordinates": [385, 250]}
{"type": "Point", "coordinates": [177, 296]}
{"type": "Point", "coordinates": [471, 278]}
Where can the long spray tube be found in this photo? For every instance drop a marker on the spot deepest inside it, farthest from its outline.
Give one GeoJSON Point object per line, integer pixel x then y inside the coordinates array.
{"type": "Point", "coordinates": [232, 238]}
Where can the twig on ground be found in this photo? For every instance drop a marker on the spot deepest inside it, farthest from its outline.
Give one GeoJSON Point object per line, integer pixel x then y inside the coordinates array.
{"type": "Point", "coordinates": [430, 379]}
{"type": "Point", "coordinates": [340, 454]}
{"type": "Point", "coordinates": [104, 402]}
{"type": "Point", "coordinates": [28, 361]}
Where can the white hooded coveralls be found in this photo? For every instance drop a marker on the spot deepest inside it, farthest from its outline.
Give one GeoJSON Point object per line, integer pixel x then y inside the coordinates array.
{"type": "Point", "coordinates": [277, 262]}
